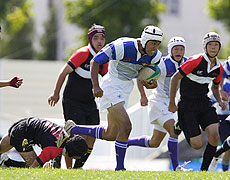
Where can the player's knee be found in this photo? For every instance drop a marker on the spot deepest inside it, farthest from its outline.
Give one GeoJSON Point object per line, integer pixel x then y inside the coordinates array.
{"type": "Point", "coordinates": [196, 145]}
{"type": "Point", "coordinates": [154, 144]}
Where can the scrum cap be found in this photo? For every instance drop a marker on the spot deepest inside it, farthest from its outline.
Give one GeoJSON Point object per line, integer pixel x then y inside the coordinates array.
{"type": "Point", "coordinates": [211, 36]}
{"type": "Point", "coordinates": [151, 33]}
{"type": "Point", "coordinates": [175, 41]}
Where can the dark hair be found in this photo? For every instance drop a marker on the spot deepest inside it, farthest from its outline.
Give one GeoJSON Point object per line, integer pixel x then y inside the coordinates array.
{"type": "Point", "coordinates": [76, 146]}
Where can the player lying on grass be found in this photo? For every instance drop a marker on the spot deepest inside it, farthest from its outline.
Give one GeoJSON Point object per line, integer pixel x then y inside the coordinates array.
{"type": "Point", "coordinates": [158, 104]}
{"type": "Point", "coordinates": [27, 132]}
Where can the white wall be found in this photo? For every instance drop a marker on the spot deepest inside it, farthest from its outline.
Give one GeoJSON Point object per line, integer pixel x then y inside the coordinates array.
{"type": "Point", "coordinates": [192, 23]}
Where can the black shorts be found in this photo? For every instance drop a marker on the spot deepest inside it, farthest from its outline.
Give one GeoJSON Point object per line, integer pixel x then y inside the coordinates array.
{"type": "Point", "coordinates": [81, 113]}
{"type": "Point", "coordinates": [196, 114]}
{"type": "Point", "coordinates": [224, 127]}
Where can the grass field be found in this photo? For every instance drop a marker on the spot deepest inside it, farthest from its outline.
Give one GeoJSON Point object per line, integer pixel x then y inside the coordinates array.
{"type": "Point", "coordinates": [50, 174]}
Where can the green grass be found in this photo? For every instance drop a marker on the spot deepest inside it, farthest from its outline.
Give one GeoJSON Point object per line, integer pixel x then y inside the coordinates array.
{"type": "Point", "coordinates": [49, 174]}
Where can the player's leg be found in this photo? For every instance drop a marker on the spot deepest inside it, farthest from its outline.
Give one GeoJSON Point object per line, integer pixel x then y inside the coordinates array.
{"type": "Point", "coordinates": [29, 157]}
{"type": "Point", "coordinates": [5, 144]}
{"type": "Point", "coordinates": [213, 139]}
{"type": "Point", "coordinates": [225, 160]}
{"type": "Point", "coordinates": [172, 143]}
{"type": "Point", "coordinates": [119, 115]}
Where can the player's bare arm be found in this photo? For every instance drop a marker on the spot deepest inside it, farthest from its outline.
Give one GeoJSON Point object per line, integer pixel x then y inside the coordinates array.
{"type": "Point", "coordinates": [216, 93]}
{"type": "Point", "coordinates": [144, 99]}
{"type": "Point", "coordinates": [173, 89]}
{"type": "Point", "coordinates": [94, 70]}
{"type": "Point", "coordinates": [54, 98]}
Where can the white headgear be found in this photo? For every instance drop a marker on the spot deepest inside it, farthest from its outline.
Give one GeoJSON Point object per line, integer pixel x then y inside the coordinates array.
{"type": "Point", "coordinates": [151, 33]}
{"type": "Point", "coordinates": [211, 36]}
{"type": "Point", "coordinates": [175, 41]}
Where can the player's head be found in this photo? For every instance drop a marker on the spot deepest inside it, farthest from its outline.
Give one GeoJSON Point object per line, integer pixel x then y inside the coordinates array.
{"type": "Point", "coordinates": [96, 36]}
{"type": "Point", "coordinates": [176, 47]}
{"type": "Point", "coordinates": [151, 38]}
{"type": "Point", "coordinates": [76, 146]}
{"type": "Point", "coordinates": [151, 33]}
{"type": "Point", "coordinates": [208, 38]}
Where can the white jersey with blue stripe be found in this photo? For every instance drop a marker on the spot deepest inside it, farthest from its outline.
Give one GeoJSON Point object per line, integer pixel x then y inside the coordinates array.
{"type": "Point", "coordinates": [168, 67]}
{"type": "Point", "coordinates": [226, 70]}
{"type": "Point", "coordinates": [124, 58]}
{"type": "Point", "coordinates": [226, 88]}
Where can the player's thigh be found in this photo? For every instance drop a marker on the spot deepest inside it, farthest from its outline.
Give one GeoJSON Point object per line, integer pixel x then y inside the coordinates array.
{"type": "Point", "coordinates": [5, 144]}
{"type": "Point", "coordinates": [118, 113]}
{"type": "Point", "coordinates": [196, 142]}
{"type": "Point", "coordinates": [29, 157]}
{"type": "Point", "coordinates": [188, 121]}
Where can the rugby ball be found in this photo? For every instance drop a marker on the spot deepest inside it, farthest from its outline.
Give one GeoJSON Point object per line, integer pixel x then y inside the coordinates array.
{"type": "Point", "coordinates": [149, 73]}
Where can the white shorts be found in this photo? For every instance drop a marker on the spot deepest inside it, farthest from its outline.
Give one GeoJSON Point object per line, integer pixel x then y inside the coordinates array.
{"type": "Point", "coordinates": [159, 114]}
{"type": "Point", "coordinates": [115, 91]}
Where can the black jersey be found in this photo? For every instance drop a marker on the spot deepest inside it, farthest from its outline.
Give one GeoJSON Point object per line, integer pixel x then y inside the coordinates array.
{"type": "Point", "coordinates": [79, 85]}
{"type": "Point", "coordinates": [30, 131]}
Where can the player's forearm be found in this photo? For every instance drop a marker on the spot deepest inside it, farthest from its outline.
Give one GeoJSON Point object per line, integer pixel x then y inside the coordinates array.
{"type": "Point", "coordinates": [216, 93]}
{"type": "Point", "coordinates": [4, 83]}
{"type": "Point", "coordinates": [94, 70]}
{"type": "Point", "coordinates": [173, 88]}
{"type": "Point", "coordinates": [141, 88]}
{"type": "Point", "coordinates": [35, 164]}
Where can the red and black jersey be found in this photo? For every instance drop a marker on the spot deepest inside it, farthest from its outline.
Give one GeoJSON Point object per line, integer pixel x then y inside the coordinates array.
{"type": "Point", "coordinates": [198, 74]}
{"type": "Point", "coordinates": [36, 131]}
{"type": "Point", "coordinates": [79, 85]}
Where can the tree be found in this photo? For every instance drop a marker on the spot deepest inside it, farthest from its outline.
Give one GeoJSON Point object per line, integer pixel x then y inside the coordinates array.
{"type": "Point", "coordinates": [49, 39]}
{"type": "Point", "coordinates": [17, 29]}
{"type": "Point", "coordinates": [220, 10]}
{"type": "Point", "coordinates": [119, 17]}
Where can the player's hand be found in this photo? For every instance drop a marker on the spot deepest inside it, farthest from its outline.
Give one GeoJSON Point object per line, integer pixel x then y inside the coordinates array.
{"type": "Point", "coordinates": [144, 101]}
{"type": "Point", "coordinates": [223, 105]}
{"type": "Point", "coordinates": [224, 95]}
{"type": "Point", "coordinates": [97, 92]}
{"type": "Point", "coordinates": [172, 107]}
{"type": "Point", "coordinates": [48, 164]}
{"type": "Point", "coordinates": [150, 85]}
{"type": "Point", "coordinates": [16, 82]}
{"type": "Point", "coordinates": [53, 100]}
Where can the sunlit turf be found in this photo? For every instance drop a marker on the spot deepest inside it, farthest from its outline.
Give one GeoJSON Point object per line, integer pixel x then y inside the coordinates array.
{"type": "Point", "coordinates": [49, 174]}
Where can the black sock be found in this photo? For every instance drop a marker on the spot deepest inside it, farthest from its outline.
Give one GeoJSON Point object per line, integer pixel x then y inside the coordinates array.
{"type": "Point", "coordinates": [207, 157]}
{"type": "Point", "coordinates": [57, 161]}
{"type": "Point", "coordinates": [225, 165]}
{"type": "Point", "coordinates": [80, 162]}
{"type": "Point", "coordinates": [13, 163]}
{"type": "Point", "coordinates": [224, 147]}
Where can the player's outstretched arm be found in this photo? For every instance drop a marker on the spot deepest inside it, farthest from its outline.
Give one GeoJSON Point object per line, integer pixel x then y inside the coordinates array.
{"type": "Point", "coordinates": [15, 82]}
{"type": "Point", "coordinates": [144, 99]}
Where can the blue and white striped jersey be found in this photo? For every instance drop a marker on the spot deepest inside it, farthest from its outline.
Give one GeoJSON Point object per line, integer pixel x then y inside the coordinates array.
{"type": "Point", "coordinates": [124, 58]}
{"type": "Point", "coordinates": [226, 70]}
{"type": "Point", "coordinates": [168, 67]}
